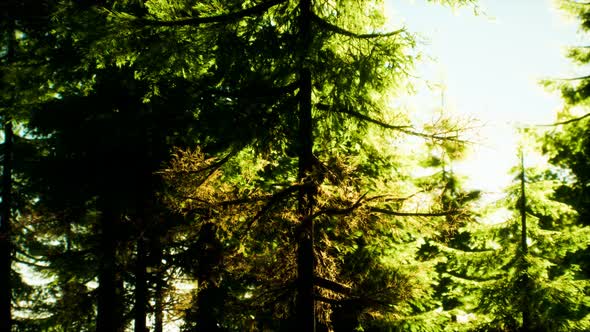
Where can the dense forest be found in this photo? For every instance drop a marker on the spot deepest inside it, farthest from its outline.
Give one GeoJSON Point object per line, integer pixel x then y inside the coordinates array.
{"type": "Point", "coordinates": [240, 165]}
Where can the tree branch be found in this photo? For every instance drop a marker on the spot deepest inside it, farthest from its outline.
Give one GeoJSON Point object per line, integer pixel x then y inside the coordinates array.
{"type": "Point", "coordinates": [277, 197]}
{"type": "Point", "coordinates": [44, 267]}
{"type": "Point", "coordinates": [332, 211]}
{"type": "Point", "coordinates": [573, 78]}
{"type": "Point", "coordinates": [212, 167]}
{"type": "Point", "coordinates": [326, 300]}
{"type": "Point", "coordinates": [403, 129]}
{"type": "Point", "coordinates": [258, 91]}
{"type": "Point", "coordinates": [334, 28]}
{"type": "Point", "coordinates": [566, 121]}
{"type": "Point", "coordinates": [471, 278]}
{"type": "Point", "coordinates": [229, 202]}
{"type": "Point", "coordinates": [332, 285]}
{"type": "Point", "coordinates": [223, 18]}
{"type": "Point", "coordinates": [413, 214]}
{"type": "Point", "coordinates": [360, 116]}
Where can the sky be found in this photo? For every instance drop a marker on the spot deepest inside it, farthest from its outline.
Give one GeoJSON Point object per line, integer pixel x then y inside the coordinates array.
{"type": "Point", "coordinates": [490, 65]}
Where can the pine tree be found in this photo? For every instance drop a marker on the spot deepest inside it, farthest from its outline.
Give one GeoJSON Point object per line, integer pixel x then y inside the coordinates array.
{"type": "Point", "coordinates": [322, 81]}
{"type": "Point", "coordinates": [22, 32]}
{"type": "Point", "coordinates": [102, 143]}
{"type": "Point", "coordinates": [521, 275]}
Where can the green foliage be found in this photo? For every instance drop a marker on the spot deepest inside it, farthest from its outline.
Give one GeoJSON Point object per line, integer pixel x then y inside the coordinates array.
{"type": "Point", "coordinates": [566, 146]}
{"type": "Point", "coordinates": [181, 128]}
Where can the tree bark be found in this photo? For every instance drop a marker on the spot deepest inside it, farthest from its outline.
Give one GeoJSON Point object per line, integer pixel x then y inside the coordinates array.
{"type": "Point", "coordinates": [156, 260]}
{"type": "Point", "coordinates": [109, 315]}
{"type": "Point", "coordinates": [5, 233]}
{"type": "Point", "coordinates": [141, 287]}
{"type": "Point", "coordinates": [305, 303]}
{"type": "Point", "coordinates": [159, 305]}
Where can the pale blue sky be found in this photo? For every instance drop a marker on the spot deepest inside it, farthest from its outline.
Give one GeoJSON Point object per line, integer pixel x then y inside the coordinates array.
{"type": "Point", "coordinates": [490, 65]}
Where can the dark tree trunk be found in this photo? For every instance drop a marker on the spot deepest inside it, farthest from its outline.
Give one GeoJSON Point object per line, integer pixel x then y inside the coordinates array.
{"type": "Point", "coordinates": [148, 247]}
{"type": "Point", "coordinates": [5, 238]}
{"type": "Point", "coordinates": [305, 304]}
{"type": "Point", "coordinates": [159, 305]}
{"type": "Point", "coordinates": [141, 287]}
{"type": "Point", "coordinates": [109, 316]}
{"type": "Point", "coordinates": [156, 261]}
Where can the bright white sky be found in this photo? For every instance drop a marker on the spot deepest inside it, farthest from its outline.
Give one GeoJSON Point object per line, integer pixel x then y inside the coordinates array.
{"type": "Point", "coordinates": [490, 65]}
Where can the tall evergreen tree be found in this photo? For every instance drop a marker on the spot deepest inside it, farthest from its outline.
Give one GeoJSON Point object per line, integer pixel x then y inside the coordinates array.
{"type": "Point", "coordinates": [324, 76]}
{"type": "Point", "coordinates": [566, 143]}
{"type": "Point", "coordinates": [23, 27]}
{"type": "Point", "coordinates": [522, 275]}
{"type": "Point", "coordinates": [102, 143]}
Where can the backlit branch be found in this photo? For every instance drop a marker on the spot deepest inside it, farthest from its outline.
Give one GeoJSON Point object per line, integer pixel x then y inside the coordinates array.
{"type": "Point", "coordinates": [574, 78]}
{"type": "Point", "coordinates": [566, 121]}
{"type": "Point", "coordinates": [334, 28]}
{"type": "Point", "coordinates": [404, 129]}
{"type": "Point", "coordinates": [413, 214]}
{"type": "Point", "coordinates": [332, 285]}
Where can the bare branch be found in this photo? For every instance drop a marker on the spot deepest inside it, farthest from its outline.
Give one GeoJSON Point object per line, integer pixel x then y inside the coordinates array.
{"type": "Point", "coordinates": [389, 198]}
{"type": "Point", "coordinates": [334, 28]}
{"type": "Point", "coordinates": [223, 18]}
{"type": "Point", "coordinates": [404, 129]}
{"type": "Point", "coordinates": [573, 78]}
{"type": "Point", "coordinates": [332, 285]}
{"type": "Point", "coordinates": [326, 300]}
{"type": "Point", "coordinates": [565, 122]}
{"type": "Point", "coordinates": [360, 116]}
{"type": "Point", "coordinates": [413, 214]}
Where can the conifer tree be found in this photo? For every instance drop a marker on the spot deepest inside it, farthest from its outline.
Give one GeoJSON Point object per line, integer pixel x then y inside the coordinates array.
{"type": "Point", "coordinates": [519, 272]}
{"type": "Point", "coordinates": [566, 144]}
{"type": "Point", "coordinates": [22, 31]}
{"type": "Point", "coordinates": [324, 76]}
{"type": "Point", "coordinates": [101, 144]}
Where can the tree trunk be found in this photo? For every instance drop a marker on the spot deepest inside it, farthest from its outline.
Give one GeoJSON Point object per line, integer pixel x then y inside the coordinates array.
{"type": "Point", "coordinates": [159, 305]}
{"type": "Point", "coordinates": [305, 303]}
{"type": "Point", "coordinates": [109, 316]}
{"type": "Point", "coordinates": [5, 238]}
{"type": "Point", "coordinates": [523, 243]}
{"type": "Point", "coordinates": [156, 261]}
{"type": "Point", "coordinates": [141, 287]}
{"type": "Point", "coordinates": [526, 315]}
